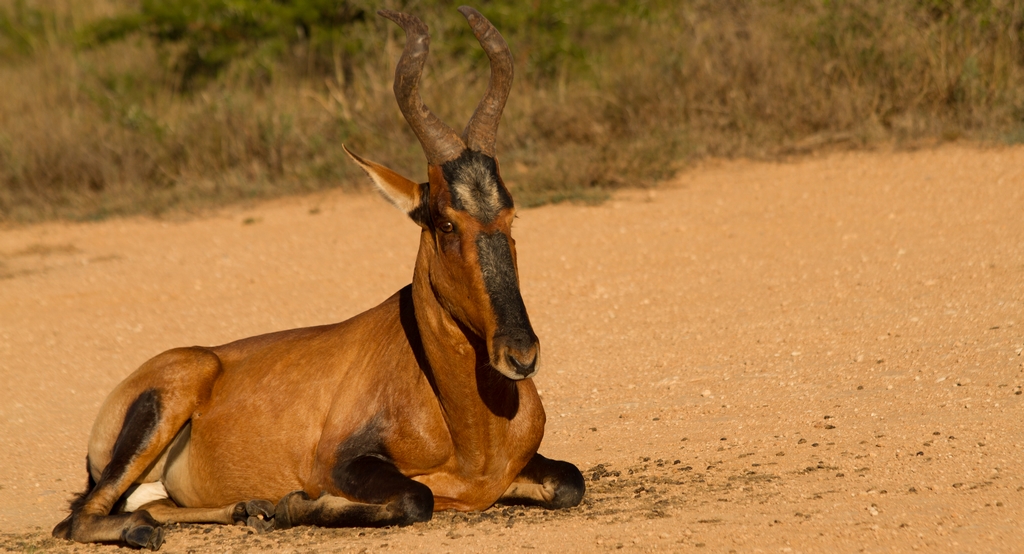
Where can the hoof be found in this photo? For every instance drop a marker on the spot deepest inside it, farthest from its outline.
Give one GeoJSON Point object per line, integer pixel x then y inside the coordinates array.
{"type": "Point", "coordinates": [414, 507]}
{"type": "Point", "coordinates": [258, 514]}
{"type": "Point", "coordinates": [63, 529]}
{"type": "Point", "coordinates": [287, 509]}
{"type": "Point", "coordinates": [260, 525]}
{"type": "Point", "coordinates": [569, 488]}
{"type": "Point", "coordinates": [260, 508]}
{"type": "Point", "coordinates": [144, 536]}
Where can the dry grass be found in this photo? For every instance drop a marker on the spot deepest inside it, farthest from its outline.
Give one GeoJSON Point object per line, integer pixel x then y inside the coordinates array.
{"type": "Point", "coordinates": [603, 98]}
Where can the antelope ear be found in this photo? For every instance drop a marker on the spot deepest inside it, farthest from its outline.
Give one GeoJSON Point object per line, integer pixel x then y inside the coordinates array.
{"type": "Point", "coordinates": [403, 193]}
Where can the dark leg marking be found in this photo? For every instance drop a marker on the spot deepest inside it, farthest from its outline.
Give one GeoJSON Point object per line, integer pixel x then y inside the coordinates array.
{"type": "Point", "coordinates": [377, 481]}
{"type": "Point", "coordinates": [90, 519]}
{"type": "Point", "coordinates": [140, 422]}
{"type": "Point", "coordinates": [408, 502]}
{"type": "Point", "coordinates": [381, 495]}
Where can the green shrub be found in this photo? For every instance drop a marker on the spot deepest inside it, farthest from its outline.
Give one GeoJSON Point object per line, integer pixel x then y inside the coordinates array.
{"type": "Point", "coordinates": [112, 109]}
{"type": "Point", "coordinates": [202, 37]}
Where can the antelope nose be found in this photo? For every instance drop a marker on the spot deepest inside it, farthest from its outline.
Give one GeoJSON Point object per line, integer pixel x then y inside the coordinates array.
{"type": "Point", "coordinates": [525, 366]}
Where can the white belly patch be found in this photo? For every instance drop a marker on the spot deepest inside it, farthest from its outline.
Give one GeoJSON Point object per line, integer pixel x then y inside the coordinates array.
{"type": "Point", "coordinates": [144, 494]}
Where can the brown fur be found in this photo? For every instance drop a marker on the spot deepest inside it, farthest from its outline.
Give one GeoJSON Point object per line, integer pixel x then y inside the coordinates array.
{"type": "Point", "coordinates": [412, 406]}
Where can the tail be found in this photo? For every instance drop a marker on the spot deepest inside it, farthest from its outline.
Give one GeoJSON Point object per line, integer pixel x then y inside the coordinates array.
{"type": "Point", "coordinates": [63, 529]}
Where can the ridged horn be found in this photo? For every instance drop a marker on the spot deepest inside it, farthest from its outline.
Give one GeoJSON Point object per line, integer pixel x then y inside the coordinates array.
{"type": "Point", "coordinates": [482, 130]}
{"type": "Point", "coordinates": [440, 142]}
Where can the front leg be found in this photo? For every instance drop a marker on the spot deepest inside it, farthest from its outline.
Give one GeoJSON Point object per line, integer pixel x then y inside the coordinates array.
{"type": "Point", "coordinates": [551, 484]}
{"type": "Point", "coordinates": [381, 496]}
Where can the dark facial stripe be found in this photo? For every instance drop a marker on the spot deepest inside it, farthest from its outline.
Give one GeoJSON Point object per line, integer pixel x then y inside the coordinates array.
{"type": "Point", "coordinates": [475, 186]}
{"type": "Point", "coordinates": [501, 282]}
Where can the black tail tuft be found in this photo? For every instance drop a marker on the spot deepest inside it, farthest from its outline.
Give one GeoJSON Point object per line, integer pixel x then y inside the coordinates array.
{"type": "Point", "coordinates": [63, 529]}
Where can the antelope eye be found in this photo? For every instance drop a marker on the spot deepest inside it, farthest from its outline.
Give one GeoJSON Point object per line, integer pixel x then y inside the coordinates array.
{"type": "Point", "coordinates": [446, 227]}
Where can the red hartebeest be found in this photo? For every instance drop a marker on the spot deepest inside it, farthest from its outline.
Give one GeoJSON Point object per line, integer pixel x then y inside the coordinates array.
{"type": "Point", "coordinates": [420, 404]}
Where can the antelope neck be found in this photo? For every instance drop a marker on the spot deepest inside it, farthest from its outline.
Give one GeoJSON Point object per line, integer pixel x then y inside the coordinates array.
{"type": "Point", "coordinates": [469, 390]}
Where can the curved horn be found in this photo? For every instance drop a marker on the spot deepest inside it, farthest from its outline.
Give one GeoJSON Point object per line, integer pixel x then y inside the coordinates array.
{"type": "Point", "coordinates": [440, 142]}
{"type": "Point", "coordinates": [482, 130]}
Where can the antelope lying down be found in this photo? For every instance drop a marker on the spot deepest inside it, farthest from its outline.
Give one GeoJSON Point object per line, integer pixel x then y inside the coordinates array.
{"type": "Point", "coordinates": [423, 403]}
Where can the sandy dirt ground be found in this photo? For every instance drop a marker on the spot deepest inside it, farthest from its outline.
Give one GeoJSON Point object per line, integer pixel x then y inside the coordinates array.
{"type": "Point", "coordinates": [823, 355]}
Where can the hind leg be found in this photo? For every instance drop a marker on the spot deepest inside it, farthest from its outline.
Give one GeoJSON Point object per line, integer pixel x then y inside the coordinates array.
{"type": "Point", "coordinates": [150, 406]}
{"type": "Point", "coordinates": [254, 513]}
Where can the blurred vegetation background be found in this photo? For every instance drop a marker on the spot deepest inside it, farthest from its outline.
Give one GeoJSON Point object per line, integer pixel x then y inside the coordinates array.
{"type": "Point", "coordinates": [128, 106]}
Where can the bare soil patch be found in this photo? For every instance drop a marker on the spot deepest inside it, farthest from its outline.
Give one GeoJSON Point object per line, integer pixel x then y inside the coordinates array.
{"type": "Point", "coordinates": [823, 355]}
